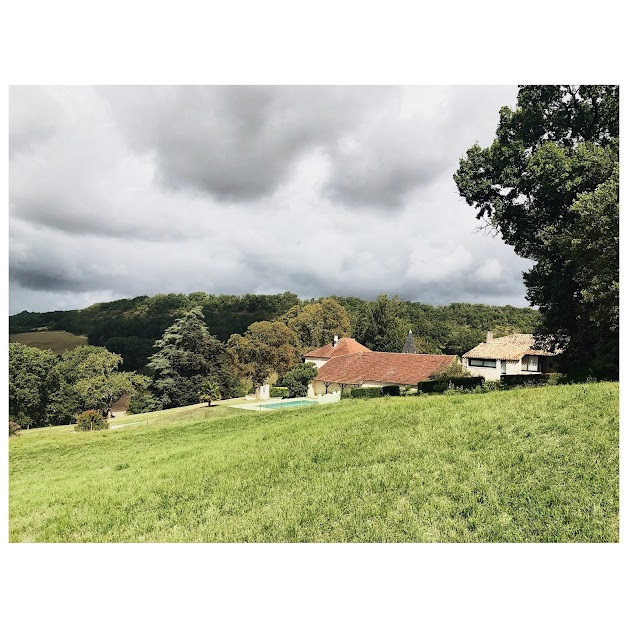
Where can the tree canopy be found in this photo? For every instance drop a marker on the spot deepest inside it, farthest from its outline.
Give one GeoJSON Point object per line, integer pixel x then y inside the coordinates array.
{"type": "Point", "coordinates": [317, 323]}
{"type": "Point", "coordinates": [266, 347]}
{"type": "Point", "coordinates": [548, 184]}
{"type": "Point", "coordinates": [45, 389]}
{"type": "Point", "coordinates": [31, 380]}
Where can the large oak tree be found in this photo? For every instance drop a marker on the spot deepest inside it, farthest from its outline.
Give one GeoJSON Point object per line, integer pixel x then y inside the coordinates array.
{"type": "Point", "coordinates": [549, 185]}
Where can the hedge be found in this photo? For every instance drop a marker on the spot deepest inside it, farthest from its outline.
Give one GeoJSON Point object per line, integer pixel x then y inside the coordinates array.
{"type": "Point", "coordinates": [440, 385]}
{"type": "Point", "coordinates": [279, 391]}
{"type": "Point", "coordinates": [91, 420]}
{"type": "Point", "coordinates": [537, 379]}
{"type": "Point", "coordinates": [366, 393]}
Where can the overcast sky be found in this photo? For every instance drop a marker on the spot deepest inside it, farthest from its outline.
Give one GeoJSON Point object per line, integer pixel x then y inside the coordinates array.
{"type": "Point", "coordinates": [123, 191]}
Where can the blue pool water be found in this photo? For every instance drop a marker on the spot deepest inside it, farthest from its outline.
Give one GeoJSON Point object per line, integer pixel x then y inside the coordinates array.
{"type": "Point", "coordinates": [290, 404]}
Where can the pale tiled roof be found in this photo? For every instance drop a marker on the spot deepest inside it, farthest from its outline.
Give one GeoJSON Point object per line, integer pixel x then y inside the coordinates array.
{"type": "Point", "coordinates": [376, 366]}
{"type": "Point", "coordinates": [512, 347]}
{"type": "Point", "coordinates": [345, 346]}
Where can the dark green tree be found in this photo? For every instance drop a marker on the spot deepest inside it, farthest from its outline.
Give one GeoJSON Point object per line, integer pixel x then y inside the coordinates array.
{"type": "Point", "coordinates": [31, 382]}
{"type": "Point", "coordinates": [187, 354]}
{"type": "Point", "coordinates": [554, 159]}
{"type": "Point", "coordinates": [298, 378]}
{"type": "Point", "coordinates": [383, 325]}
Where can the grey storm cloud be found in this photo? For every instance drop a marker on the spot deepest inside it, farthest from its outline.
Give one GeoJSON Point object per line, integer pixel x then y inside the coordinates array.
{"type": "Point", "coordinates": [236, 143]}
{"type": "Point", "coordinates": [121, 191]}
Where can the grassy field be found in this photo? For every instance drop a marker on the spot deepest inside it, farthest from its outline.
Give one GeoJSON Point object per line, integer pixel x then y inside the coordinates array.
{"type": "Point", "coordinates": [56, 341]}
{"type": "Point", "coordinates": [522, 465]}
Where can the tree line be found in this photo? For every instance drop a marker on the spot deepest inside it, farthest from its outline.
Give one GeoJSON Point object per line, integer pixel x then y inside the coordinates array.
{"type": "Point", "coordinates": [188, 363]}
{"type": "Point", "coordinates": [130, 327]}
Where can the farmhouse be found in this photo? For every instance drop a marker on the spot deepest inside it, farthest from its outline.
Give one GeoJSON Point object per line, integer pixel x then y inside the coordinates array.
{"type": "Point", "coordinates": [509, 355]}
{"type": "Point", "coordinates": [347, 363]}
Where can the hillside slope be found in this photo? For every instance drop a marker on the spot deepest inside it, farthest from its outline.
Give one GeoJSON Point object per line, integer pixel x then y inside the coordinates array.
{"type": "Point", "coordinates": [521, 465]}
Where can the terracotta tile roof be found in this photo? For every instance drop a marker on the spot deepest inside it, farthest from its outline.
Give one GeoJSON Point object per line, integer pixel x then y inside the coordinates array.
{"type": "Point", "coordinates": [512, 347]}
{"type": "Point", "coordinates": [345, 346]}
{"type": "Point", "coordinates": [375, 366]}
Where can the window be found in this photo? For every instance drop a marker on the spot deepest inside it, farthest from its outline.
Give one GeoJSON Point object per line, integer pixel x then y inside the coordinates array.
{"type": "Point", "coordinates": [491, 364]}
{"type": "Point", "coordinates": [530, 363]}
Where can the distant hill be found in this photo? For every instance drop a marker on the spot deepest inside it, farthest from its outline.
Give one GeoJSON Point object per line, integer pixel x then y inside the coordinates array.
{"type": "Point", "coordinates": [56, 341]}
{"type": "Point", "coordinates": [131, 326]}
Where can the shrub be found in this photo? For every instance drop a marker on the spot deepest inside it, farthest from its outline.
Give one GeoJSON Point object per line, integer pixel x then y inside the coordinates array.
{"type": "Point", "coordinates": [366, 393]}
{"type": "Point", "coordinates": [392, 391]}
{"type": "Point", "coordinates": [298, 378]}
{"type": "Point", "coordinates": [440, 385]}
{"type": "Point", "coordinates": [455, 370]}
{"type": "Point", "coordinates": [483, 388]}
{"type": "Point", "coordinates": [346, 393]}
{"type": "Point", "coordinates": [279, 391]}
{"type": "Point", "coordinates": [537, 379]}
{"type": "Point", "coordinates": [91, 420]}
{"type": "Point", "coordinates": [14, 429]}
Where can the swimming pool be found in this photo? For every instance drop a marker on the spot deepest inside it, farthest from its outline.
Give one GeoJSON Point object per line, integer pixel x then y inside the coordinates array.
{"type": "Point", "coordinates": [290, 404]}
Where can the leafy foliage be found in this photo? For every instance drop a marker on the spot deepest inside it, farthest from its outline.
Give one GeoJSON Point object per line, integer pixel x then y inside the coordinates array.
{"type": "Point", "coordinates": [91, 421]}
{"type": "Point", "coordinates": [31, 379]}
{"type": "Point", "coordinates": [549, 185]}
{"type": "Point", "coordinates": [455, 369]}
{"type": "Point", "coordinates": [210, 391]}
{"type": "Point", "coordinates": [384, 326]}
{"type": "Point", "coordinates": [14, 429]}
{"type": "Point", "coordinates": [279, 391]}
{"type": "Point", "coordinates": [315, 324]}
{"type": "Point", "coordinates": [266, 347]}
{"type": "Point", "coordinates": [297, 379]}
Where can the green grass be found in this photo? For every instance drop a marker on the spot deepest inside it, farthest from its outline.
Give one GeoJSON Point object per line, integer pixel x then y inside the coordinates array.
{"type": "Point", "coordinates": [56, 341]}
{"type": "Point", "coordinates": [521, 465]}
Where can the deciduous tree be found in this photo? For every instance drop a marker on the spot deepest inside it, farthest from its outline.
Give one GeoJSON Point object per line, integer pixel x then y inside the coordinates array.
{"type": "Point", "coordinates": [553, 161]}
{"type": "Point", "coordinates": [31, 382]}
{"type": "Point", "coordinates": [266, 347]}
{"type": "Point", "coordinates": [317, 323]}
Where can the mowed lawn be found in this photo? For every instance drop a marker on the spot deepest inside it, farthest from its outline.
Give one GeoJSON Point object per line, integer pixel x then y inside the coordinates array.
{"type": "Point", "coordinates": [533, 465]}
{"type": "Point", "coordinates": [56, 341]}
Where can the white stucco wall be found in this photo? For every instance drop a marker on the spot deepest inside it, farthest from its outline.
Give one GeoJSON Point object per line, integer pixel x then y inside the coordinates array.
{"type": "Point", "coordinates": [318, 362]}
{"type": "Point", "coordinates": [493, 374]}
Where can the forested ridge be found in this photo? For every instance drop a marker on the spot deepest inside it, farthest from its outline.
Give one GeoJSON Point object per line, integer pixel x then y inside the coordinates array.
{"type": "Point", "coordinates": [130, 327]}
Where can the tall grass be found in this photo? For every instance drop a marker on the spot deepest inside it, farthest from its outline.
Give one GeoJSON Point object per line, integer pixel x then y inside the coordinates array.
{"type": "Point", "coordinates": [533, 465]}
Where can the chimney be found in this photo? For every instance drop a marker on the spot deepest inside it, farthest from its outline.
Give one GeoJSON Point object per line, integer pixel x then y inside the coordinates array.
{"type": "Point", "coordinates": [489, 337]}
{"type": "Point", "coordinates": [335, 340]}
